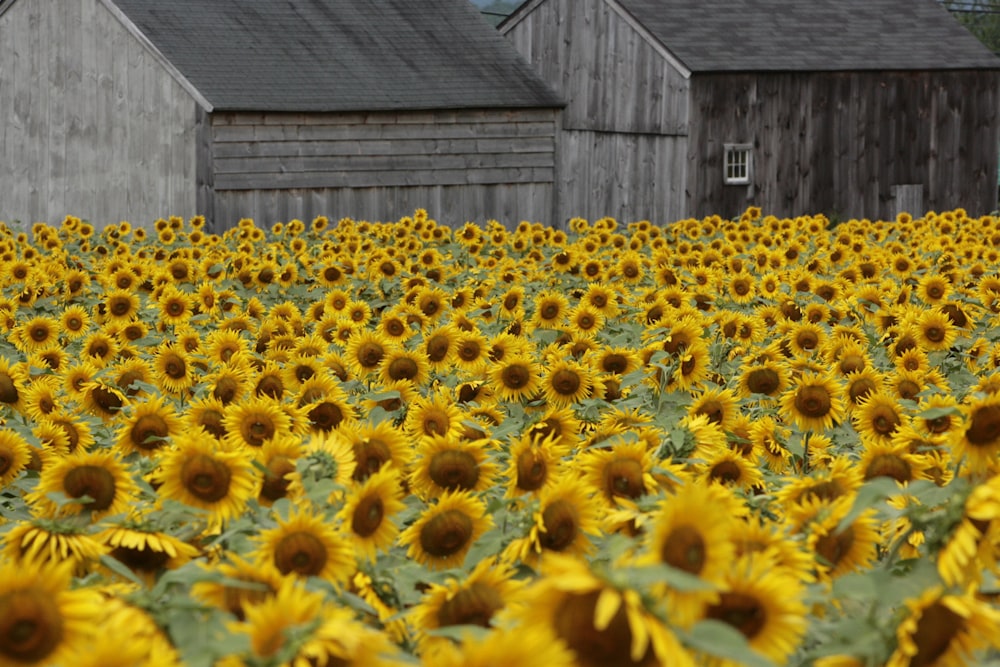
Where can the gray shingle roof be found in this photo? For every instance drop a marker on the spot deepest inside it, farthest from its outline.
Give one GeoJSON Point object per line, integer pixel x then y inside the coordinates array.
{"type": "Point", "coordinates": [800, 35]}
{"type": "Point", "coordinates": [339, 55]}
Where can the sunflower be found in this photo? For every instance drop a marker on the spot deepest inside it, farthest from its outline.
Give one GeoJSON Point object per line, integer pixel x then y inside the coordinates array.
{"type": "Point", "coordinates": [172, 369]}
{"type": "Point", "coordinates": [276, 624]}
{"type": "Point", "coordinates": [138, 640]}
{"type": "Point", "coordinates": [307, 545]}
{"type": "Point", "coordinates": [763, 603]}
{"type": "Point", "coordinates": [237, 583]}
{"type": "Point", "coordinates": [74, 322]}
{"type": "Point", "coordinates": [566, 382]}
{"type": "Point", "coordinates": [37, 333]}
{"type": "Point", "coordinates": [445, 531]}
{"type": "Point", "coordinates": [445, 464]}
{"type": "Point", "coordinates": [434, 415]}
{"type": "Point", "coordinates": [13, 378]}
{"type": "Point", "coordinates": [44, 622]}
{"type": "Point", "coordinates": [842, 549]}
{"type": "Point", "coordinates": [15, 455]}
{"type": "Point", "coordinates": [944, 629]}
{"type": "Point", "coordinates": [934, 331]}
{"type": "Point", "coordinates": [719, 405]}
{"type": "Point", "coordinates": [526, 647]}
{"type": "Point", "coordinates": [325, 458]}
{"type": "Point", "coordinates": [41, 397]}
{"type": "Point", "coordinates": [693, 366]}
{"type": "Point", "coordinates": [375, 445]}
{"type": "Point", "coordinates": [148, 426]}
{"type": "Point", "coordinates": [475, 599]}
{"type": "Point", "coordinates": [411, 366]}
{"type": "Point", "coordinates": [602, 624]}
{"type": "Point", "coordinates": [254, 421]}
{"type": "Point", "coordinates": [730, 467]}
{"type": "Point", "coordinates": [814, 403]}
{"type": "Point", "coordinates": [602, 298]}
{"type": "Point", "coordinates": [534, 463]}
{"type": "Point", "coordinates": [103, 399]}
{"type": "Point", "coordinates": [878, 417]}
{"type": "Point", "coordinates": [892, 459]}
{"type": "Point", "coordinates": [623, 470]}
{"type": "Point", "coordinates": [585, 320]}
{"type": "Point", "coordinates": [690, 531]}
{"type": "Point", "coordinates": [365, 351]}
{"type": "Point", "coordinates": [50, 540]}
{"type": "Point", "coordinates": [368, 510]}
{"type": "Point", "coordinates": [560, 424]}
{"type": "Point", "coordinates": [269, 381]}
{"type": "Point", "coordinates": [564, 522]}
{"type": "Point", "coordinates": [197, 473]}
{"type": "Point", "coordinates": [861, 384]}
{"type": "Point", "coordinates": [550, 309]}
{"type": "Point", "coordinates": [137, 544]}
{"type": "Point", "coordinates": [471, 353]}
{"type": "Point", "coordinates": [99, 475]}
{"type": "Point", "coordinates": [120, 306]}
{"type": "Point", "coordinates": [977, 440]}
{"type": "Point", "coordinates": [175, 307]}
{"type": "Point", "coordinates": [758, 380]}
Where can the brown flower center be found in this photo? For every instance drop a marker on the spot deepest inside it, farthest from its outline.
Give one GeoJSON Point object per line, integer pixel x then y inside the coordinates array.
{"type": "Point", "coordinates": [300, 552]}
{"type": "Point", "coordinates": [8, 390]}
{"type": "Point", "coordinates": [763, 381]}
{"type": "Point", "coordinates": [370, 354]}
{"type": "Point", "coordinates": [140, 559]}
{"type": "Point", "coordinates": [741, 611]}
{"type": "Point", "coordinates": [832, 547]}
{"type": "Point", "coordinates": [368, 515]}
{"type": "Point", "coordinates": [813, 401]}
{"type": "Point", "coordinates": [889, 465]}
{"type": "Point", "coordinates": [276, 482]}
{"type": "Point", "coordinates": [624, 477]}
{"type": "Point", "coordinates": [725, 472]}
{"type": "Point", "coordinates": [473, 604]}
{"type": "Point", "coordinates": [684, 548]}
{"type": "Point", "coordinates": [984, 429]}
{"type": "Point", "coordinates": [561, 522]}
{"type": "Point", "coordinates": [31, 626]}
{"type": "Point", "coordinates": [92, 481]}
{"type": "Point", "coordinates": [573, 622]}
{"type": "Point", "coordinates": [532, 470]}
{"type": "Point", "coordinates": [566, 382]}
{"type": "Point", "coordinates": [403, 368]}
{"type": "Point", "coordinates": [370, 455]}
{"type": "Point", "coordinates": [256, 429]}
{"type": "Point", "coordinates": [446, 533]}
{"type": "Point", "coordinates": [205, 478]}
{"type": "Point", "coordinates": [454, 469]}
{"type": "Point", "coordinates": [937, 628]}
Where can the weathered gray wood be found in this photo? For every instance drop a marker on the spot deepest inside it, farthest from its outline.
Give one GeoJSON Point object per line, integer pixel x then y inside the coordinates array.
{"type": "Point", "coordinates": [96, 127]}
{"type": "Point", "coordinates": [838, 142]}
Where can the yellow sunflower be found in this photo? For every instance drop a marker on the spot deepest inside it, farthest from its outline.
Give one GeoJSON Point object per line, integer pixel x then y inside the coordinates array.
{"type": "Point", "coordinates": [767, 379]}
{"type": "Point", "coordinates": [103, 399]}
{"type": "Point", "coordinates": [252, 422]}
{"type": "Point", "coordinates": [37, 333]}
{"type": "Point", "coordinates": [15, 455]}
{"type": "Point", "coordinates": [44, 621]}
{"type": "Point", "coordinates": [443, 464]}
{"type": "Point", "coordinates": [729, 467]}
{"type": "Point", "coordinates": [445, 531]}
{"type": "Point", "coordinates": [308, 545]}
{"type": "Point", "coordinates": [564, 521]}
{"type": "Point", "coordinates": [148, 426]}
{"type": "Point", "coordinates": [978, 438]}
{"type": "Point", "coordinates": [99, 475]}
{"type": "Point", "coordinates": [365, 351]}
{"type": "Point", "coordinates": [433, 415]}
{"type": "Point", "coordinates": [146, 551]}
{"type": "Point", "coordinates": [764, 603]}
{"type": "Point", "coordinates": [934, 330]}
{"type": "Point", "coordinates": [195, 471]}
{"type": "Point", "coordinates": [719, 405]}
{"type": "Point", "coordinates": [534, 463]}
{"type": "Point", "coordinates": [878, 417]}
{"type": "Point", "coordinates": [602, 624]}
{"type": "Point", "coordinates": [368, 511]}
{"type": "Point", "coordinates": [842, 549]}
{"type": "Point", "coordinates": [566, 382]}
{"type": "Point", "coordinates": [623, 470]}
{"type": "Point", "coordinates": [51, 540]}
{"type": "Point", "coordinates": [814, 403]}
{"type": "Point", "coordinates": [516, 378]}
{"type": "Point", "coordinates": [236, 583]}
{"type": "Point", "coordinates": [375, 445]}
{"type": "Point", "coordinates": [945, 629]}
{"type": "Point", "coordinates": [690, 531]}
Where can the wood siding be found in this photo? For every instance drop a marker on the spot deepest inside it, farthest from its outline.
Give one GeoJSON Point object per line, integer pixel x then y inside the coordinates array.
{"type": "Point", "coordinates": [626, 176]}
{"type": "Point", "coordinates": [612, 77]}
{"type": "Point", "coordinates": [90, 123]}
{"type": "Point", "coordinates": [459, 165]}
{"type": "Point", "coordinates": [840, 143]}
{"type": "Point", "coordinates": [623, 140]}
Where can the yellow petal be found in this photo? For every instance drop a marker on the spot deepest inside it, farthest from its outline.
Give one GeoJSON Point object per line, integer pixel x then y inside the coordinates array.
{"type": "Point", "coordinates": [636, 623]}
{"type": "Point", "coordinates": [608, 604]}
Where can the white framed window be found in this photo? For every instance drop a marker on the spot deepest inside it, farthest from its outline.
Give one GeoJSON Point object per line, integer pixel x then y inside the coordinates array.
{"type": "Point", "coordinates": [737, 164]}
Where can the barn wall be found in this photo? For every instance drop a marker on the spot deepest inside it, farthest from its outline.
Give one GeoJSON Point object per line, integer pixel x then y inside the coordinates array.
{"type": "Point", "coordinates": [612, 77]}
{"type": "Point", "coordinates": [626, 176]}
{"type": "Point", "coordinates": [459, 165]}
{"type": "Point", "coordinates": [90, 123]}
{"type": "Point", "coordinates": [839, 143]}
{"type": "Point", "coordinates": [623, 140]}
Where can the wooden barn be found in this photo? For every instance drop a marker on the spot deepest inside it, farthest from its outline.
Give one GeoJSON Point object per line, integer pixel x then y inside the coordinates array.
{"type": "Point", "coordinates": [139, 109]}
{"type": "Point", "coordinates": [678, 108]}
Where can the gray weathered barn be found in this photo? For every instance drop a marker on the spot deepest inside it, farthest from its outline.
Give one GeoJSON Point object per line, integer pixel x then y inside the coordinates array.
{"type": "Point", "coordinates": [139, 109]}
{"type": "Point", "coordinates": [680, 108]}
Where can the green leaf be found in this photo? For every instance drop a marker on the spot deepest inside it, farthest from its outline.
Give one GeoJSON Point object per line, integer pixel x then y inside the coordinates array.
{"type": "Point", "coordinates": [661, 573]}
{"type": "Point", "coordinates": [120, 569]}
{"type": "Point", "coordinates": [869, 495]}
{"type": "Point", "coordinates": [722, 640]}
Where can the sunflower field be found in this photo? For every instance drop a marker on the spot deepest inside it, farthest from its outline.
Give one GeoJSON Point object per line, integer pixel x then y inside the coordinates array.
{"type": "Point", "coordinates": [756, 442]}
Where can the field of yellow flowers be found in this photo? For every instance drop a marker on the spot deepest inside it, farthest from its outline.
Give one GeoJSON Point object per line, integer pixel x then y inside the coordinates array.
{"type": "Point", "coordinates": [752, 442]}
